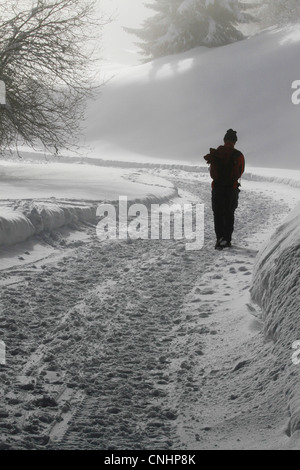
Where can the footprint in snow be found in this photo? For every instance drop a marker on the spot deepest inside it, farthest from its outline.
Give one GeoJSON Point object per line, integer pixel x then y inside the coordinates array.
{"type": "Point", "coordinates": [207, 291]}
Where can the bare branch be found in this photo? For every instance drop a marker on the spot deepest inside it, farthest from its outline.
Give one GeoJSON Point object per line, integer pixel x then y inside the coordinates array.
{"type": "Point", "coordinates": [47, 61]}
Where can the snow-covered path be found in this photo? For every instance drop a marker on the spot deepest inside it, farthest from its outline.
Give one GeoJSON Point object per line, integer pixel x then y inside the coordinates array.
{"type": "Point", "coordinates": [141, 345]}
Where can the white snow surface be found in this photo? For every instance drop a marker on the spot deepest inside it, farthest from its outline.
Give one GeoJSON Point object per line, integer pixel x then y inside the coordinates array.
{"type": "Point", "coordinates": [59, 194]}
{"type": "Point", "coordinates": [177, 107]}
{"type": "Point", "coordinates": [29, 180]}
{"type": "Point", "coordinates": [216, 308]}
{"type": "Point", "coordinates": [140, 137]}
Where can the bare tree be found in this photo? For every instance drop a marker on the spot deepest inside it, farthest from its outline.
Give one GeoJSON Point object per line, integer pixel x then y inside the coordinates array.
{"type": "Point", "coordinates": [47, 53]}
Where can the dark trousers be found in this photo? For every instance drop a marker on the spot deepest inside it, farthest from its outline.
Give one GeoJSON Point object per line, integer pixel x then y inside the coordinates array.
{"type": "Point", "coordinates": [224, 204]}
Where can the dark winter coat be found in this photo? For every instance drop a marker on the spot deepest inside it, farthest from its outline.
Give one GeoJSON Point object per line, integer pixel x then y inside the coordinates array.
{"type": "Point", "coordinates": [226, 166]}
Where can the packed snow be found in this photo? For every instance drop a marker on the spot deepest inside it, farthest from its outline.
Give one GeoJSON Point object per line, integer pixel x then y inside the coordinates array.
{"type": "Point", "coordinates": [141, 344]}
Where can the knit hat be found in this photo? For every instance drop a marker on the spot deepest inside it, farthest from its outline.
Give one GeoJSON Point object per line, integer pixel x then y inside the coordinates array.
{"type": "Point", "coordinates": [230, 136]}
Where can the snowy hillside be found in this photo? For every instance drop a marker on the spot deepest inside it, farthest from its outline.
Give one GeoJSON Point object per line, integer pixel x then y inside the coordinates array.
{"type": "Point", "coordinates": [179, 106]}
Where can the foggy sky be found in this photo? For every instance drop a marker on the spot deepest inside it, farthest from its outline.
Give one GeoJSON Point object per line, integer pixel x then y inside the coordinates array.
{"type": "Point", "coordinates": [118, 45]}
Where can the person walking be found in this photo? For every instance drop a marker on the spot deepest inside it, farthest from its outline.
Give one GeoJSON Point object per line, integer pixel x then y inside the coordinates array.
{"type": "Point", "coordinates": [227, 165]}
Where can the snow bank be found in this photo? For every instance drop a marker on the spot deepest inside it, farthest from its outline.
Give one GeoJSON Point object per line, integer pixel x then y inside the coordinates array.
{"type": "Point", "coordinates": [34, 217]}
{"type": "Point", "coordinates": [48, 196]}
{"type": "Point", "coordinates": [276, 289]}
{"type": "Point", "coordinates": [30, 218]}
{"type": "Point", "coordinates": [274, 175]}
{"type": "Point", "coordinates": [14, 227]}
{"type": "Point", "coordinates": [25, 216]}
{"type": "Point", "coordinates": [51, 216]}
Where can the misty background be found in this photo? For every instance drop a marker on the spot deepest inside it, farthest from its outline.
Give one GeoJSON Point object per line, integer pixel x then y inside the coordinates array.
{"type": "Point", "coordinates": [174, 107]}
